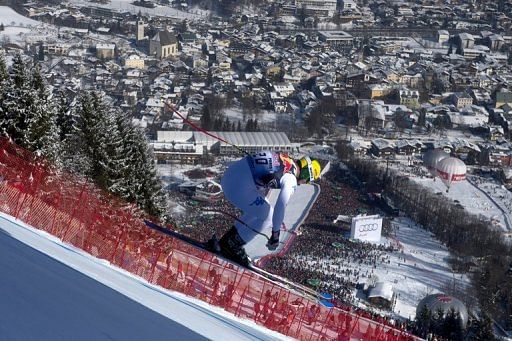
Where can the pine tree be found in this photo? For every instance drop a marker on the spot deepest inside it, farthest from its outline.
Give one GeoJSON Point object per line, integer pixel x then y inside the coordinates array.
{"type": "Point", "coordinates": [249, 125]}
{"type": "Point", "coordinates": [484, 329]}
{"type": "Point", "coordinates": [18, 97]}
{"type": "Point", "coordinates": [116, 162]}
{"type": "Point", "coordinates": [451, 326]}
{"type": "Point", "coordinates": [122, 159]}
{"type": "Point", "coordinates": [437, 321]}
{"type": "Point", "coordinates": [101, 146]}
{"type": "Point", "coordinates": [206, 119]}
{"type": "Point", "coordinates": [145, 188]}
{"type": "Point", "coordinates": [41, 135]}
{"type": "Point", "coordinates": [4, 82]}
{"type": "Point", "coordinates": [217, 124]}
{"type": "Point", "coordinates": [424, 321]}
{"type": "Point", "coordinates": [65, 118]}
{"type": "Point", "coordinates": [226, 125]}
{"type": "Point", "coordinates": [106, 148]}
{"type": "Point", "coordinates": [4, 74]}
{"type": "Point", "coordinates": [86, 149]}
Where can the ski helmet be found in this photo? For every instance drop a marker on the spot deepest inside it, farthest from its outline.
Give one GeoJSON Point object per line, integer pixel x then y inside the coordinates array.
{"type": "Point", "coordinates": [309, 169]}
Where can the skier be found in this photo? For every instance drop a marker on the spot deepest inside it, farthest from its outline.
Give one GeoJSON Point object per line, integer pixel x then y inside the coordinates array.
{"type": "Point", "coordinates": [246, 183]}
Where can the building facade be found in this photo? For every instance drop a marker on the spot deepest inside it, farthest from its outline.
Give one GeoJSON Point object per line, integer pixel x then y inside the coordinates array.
{"type": "Point", "coordinates": [321, 8]}
{"type": "Point", "coordinates": [164, 44]}
{"type": "Point", "coordinates": [105, 51]}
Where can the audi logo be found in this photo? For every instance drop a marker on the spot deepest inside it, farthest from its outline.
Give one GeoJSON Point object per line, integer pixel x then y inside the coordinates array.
{"type": "Point", "coordinates": [368, 227]}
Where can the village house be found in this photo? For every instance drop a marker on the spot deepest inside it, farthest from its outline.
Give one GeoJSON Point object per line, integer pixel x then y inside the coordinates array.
{"type": "Point", "coordinates": [462, 99]}
{"type": "Point", "coordinates": [407, 147]}
{"type": "Point", "coordinates": [105, 51]}
{"type": "Point", "coordinates": [409, 98]}
{"type": "Point", "coordinates": [134, 61]}
{"type": "Point", "coordinates": [382, 147]}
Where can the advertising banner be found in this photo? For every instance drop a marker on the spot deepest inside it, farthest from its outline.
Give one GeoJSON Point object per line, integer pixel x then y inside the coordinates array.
{"type": "Point", "coordinates": [366, 228]}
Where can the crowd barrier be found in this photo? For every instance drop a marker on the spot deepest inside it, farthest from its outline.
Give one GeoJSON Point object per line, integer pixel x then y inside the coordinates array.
{"type": "Point", "coordinates": [82, 215]}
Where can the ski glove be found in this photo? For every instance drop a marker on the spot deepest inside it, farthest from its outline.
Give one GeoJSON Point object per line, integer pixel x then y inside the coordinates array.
{"type": "Point", "coordinates": [273, 242]}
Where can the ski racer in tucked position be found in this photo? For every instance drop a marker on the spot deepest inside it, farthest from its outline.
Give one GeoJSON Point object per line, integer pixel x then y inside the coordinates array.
{"type": "Point", "coordinates": [246, 183]}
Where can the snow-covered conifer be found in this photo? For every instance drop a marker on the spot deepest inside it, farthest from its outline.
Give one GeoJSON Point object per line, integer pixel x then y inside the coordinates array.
{"type": "Point", "coordinates": [42, 135]}
{"type": "Point", "coordinates": [18, 97]}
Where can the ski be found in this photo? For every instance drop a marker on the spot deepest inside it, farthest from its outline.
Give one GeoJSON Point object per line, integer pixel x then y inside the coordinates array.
{"type": "Point", "coordinates": [298, 287]}
{"type": "Point", "coordinates": [275, 279]}
{"type": "Point", "coordinates": [175, 234]}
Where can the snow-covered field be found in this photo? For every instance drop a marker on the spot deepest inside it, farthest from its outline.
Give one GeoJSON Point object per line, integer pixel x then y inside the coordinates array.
{"type": "Point", "coordinates": [478, 195]}
{"type": "Point", "coordinates": [10, 17]}
{"type": "Point", "coordinates": [54, 291]}
{"type": "Point", "coordinates": [16, 26]}
{"type": "Point", "coordinates": [166, 11]}
{"type": "Point", "coordinates": [420, 269]}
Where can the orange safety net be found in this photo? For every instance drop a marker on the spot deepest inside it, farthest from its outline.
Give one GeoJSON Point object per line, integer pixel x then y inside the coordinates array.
{"type": "Point", "coordinates": [82, 215]}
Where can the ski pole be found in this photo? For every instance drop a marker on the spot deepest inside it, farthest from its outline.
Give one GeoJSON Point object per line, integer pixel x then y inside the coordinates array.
{"type": "Point", "coordinates": [204, 131]}
{"type": "Point", "coordinates": [245, 224]}
{"type": "Point", "coordinates": [240, 221]}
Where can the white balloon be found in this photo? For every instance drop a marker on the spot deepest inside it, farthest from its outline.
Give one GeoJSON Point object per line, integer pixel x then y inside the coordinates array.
{"type": "Point", "coordinates": [432, 157]}
{"type": "Point", "coordinates": [450, 170]}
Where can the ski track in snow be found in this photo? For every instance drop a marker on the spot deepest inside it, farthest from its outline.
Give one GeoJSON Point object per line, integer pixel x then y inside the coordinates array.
{"type": "Point", "coordinates": [187, 313]}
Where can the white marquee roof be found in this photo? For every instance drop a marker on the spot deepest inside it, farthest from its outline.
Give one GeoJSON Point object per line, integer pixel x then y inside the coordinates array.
{"type": "Point", "coordinates": [241, 139]}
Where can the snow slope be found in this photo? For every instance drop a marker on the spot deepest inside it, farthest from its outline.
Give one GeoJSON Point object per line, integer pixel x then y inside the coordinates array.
{"type": "Point", "coordinates": [16, 26]}
{"type": "Point", "coordinates": [477, 197]}
{"type": "Point", "coordinates": [10, 17]}
{"type": "Point", "coordinates": [54, 291]}
{"type": "Point", "coordinates": [126, 5]}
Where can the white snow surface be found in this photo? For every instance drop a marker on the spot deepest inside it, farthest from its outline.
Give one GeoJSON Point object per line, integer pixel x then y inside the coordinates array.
{"type": "Point", "coordinates": [164, 11]}
{"type": "Point", "coordinates": [479, 195]}
{"type": "Point", "coordinates": [54, 291]}
{"type": "Point", "coordinates": [477, 198]}
{"type": "Point", "coordinates": [10, 17]}
{"type": "Point", "coordinates": [16, 26]}
{"type": "Point", "coordinates": [421, 268]}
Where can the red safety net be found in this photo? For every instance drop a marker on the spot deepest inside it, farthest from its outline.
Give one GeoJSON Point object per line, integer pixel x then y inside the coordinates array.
{"type": "Point", "coordinates": [82, 215]}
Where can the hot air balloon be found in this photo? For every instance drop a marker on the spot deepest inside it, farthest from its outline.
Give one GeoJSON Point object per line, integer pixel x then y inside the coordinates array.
{"type": "Point", "coordinates": [431, 158]}
{"type": "Point", "coordinates": [451, 170]}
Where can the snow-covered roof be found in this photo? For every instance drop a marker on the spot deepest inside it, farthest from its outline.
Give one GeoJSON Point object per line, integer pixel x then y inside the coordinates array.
{"type": "Point", "coordinates": [383, 290]}
{"type": "Point", "coordinates": [382, 143]}
{"type": "Point", "coordinates": [103, 46]}
{"type": "Point", "coordinates": [471, 121]}
{"type": "Point", "coordinates": [177, 136]}
{"type": "Point", "coordinates": [241, 139]}
{"type": "Point", "coordinates": [246, 139]}
{"type": "Point", "coordinates": [404, 143]}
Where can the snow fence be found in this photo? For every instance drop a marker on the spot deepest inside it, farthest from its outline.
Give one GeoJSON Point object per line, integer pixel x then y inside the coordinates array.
{"type": "Point", "coordinates": [82, 215]}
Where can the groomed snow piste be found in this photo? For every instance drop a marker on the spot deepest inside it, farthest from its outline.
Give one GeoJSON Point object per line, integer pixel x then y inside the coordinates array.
{"type": "Point", "coordinates": [54, 291]}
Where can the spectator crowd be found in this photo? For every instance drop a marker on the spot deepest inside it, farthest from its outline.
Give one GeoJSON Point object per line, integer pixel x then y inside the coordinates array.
{"type": "Point", "coordinates": [322, 256]}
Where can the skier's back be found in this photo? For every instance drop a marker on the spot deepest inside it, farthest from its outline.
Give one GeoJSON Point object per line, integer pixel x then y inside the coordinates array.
{"type": "Point", "coordinates": [245, 184]}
